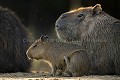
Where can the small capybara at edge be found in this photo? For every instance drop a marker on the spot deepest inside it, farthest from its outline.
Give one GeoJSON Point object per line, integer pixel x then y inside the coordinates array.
{"type": "Point", "coordinates": [54, 52]}
{"type": "Point", "coordinates": [97, 32]}
{"type": "Point", "coordinates": [13, 47]}
{"type": "Point", "coordinates": [77, 64]}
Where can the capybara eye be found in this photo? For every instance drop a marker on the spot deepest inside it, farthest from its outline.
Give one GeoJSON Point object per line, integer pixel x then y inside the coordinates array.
{"type": "Point", "coordinates": [80, 15]}
{"type": "Point", "coordinates": [34, 46]}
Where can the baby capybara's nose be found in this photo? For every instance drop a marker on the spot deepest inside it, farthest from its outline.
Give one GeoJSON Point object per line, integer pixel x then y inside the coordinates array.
{"type": "Point", "coordinates": [29, 55]}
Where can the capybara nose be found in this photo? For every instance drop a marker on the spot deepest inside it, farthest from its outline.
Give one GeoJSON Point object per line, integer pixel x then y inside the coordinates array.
{"type": "Point", "coordinates": [29, 55]}
{"type": "Point", "coordinates": [60, 23]}
{"type": "Point", "coordinates": [59, 27]}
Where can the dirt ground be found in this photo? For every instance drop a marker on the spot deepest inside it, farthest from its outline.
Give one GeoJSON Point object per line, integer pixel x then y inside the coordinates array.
{"type": "Point", "coordinates": [45, 76]}
{"type": "Point", "coordinates": [41, 71]}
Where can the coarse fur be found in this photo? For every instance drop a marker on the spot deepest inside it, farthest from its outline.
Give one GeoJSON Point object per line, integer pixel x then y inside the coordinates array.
{"type": "Point", "coordinates": [52, 51]}
{"type": "Point", "coordinates": [13, 49]}
{"type": "Point", "coordinates": [77, 64]}
{"type": "Point", "coordinates": [98, 33]}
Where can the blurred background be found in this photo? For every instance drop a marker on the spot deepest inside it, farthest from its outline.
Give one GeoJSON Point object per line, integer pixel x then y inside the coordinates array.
{"type": "Point", "coordinates": [39, 16]}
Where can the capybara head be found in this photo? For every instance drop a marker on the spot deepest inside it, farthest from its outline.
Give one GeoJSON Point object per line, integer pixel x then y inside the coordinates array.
{"type": "Point", "coordinates": [73, 24]}
{"type": "Point", "coordinates": [37, 50]}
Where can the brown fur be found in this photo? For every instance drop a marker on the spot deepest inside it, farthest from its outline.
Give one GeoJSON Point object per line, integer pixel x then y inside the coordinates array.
{"type": "Point", "coordinates": [52, 51]}
{"type": "Point", "coordinates": [77, 64]}
{"type": "Point", "coordinates": [13, 49]}
{"type": "Point", "coordinates": [97, 32]}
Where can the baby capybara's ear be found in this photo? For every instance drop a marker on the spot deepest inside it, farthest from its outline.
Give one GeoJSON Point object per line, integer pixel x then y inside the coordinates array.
{"type": "Point", "coordinates": [97, 9]}
{"type": "Point", "coordinates": [44, 38]}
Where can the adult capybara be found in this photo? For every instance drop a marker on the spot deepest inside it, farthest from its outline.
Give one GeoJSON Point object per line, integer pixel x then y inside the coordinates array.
{"type": "Point", "coordinates": [54, 52]}
{"type": "Point", "coordinates": [97, 32]}
{"type": "Point", "coordinates": [13, 43]}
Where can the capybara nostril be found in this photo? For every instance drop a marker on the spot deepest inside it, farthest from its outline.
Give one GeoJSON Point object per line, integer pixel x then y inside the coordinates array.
{"type": "Point", "coordinates": [59, 27]}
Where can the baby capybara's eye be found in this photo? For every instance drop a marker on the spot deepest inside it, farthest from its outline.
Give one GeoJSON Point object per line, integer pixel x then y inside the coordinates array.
{"type": "Point", "coordinates": [35, 46]}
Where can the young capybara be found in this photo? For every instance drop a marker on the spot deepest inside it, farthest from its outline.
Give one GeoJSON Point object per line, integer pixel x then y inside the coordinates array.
{"type": "Point", "coordinates": [77, 64]}
{"type": "Point", "coordinates": [13, 47]}
{"type": "Point", "coordinates": [97, 32]}
{"type": "Point", "coordinates": [54, 52]}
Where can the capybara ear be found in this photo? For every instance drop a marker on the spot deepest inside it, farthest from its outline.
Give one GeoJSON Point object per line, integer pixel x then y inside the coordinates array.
{"type": "Point", "coordinates": [44, 38]}
{"type": "Point", "coordinates": [67, 60]}
{"type": "Point", "coordinates": [116, 28]}
{"type": "Point", "coordinates": [97, 9]}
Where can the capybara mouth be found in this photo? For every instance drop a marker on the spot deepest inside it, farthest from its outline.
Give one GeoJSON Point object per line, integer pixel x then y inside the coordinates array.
{"type": "Point", "coordinates": [38, 58]}
{"type": "Point", "coordinates": [30, 58]}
